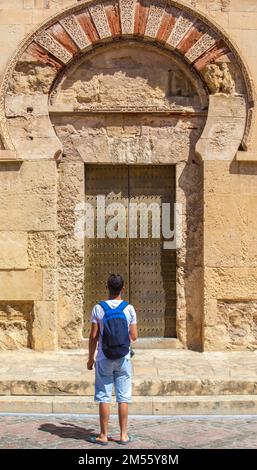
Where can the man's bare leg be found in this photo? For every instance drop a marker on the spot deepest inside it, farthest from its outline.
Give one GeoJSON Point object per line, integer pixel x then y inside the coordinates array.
{"type": "Point", "coordinates": [123, 420]}
{"type": "Point", "coordinates": [104, 413]}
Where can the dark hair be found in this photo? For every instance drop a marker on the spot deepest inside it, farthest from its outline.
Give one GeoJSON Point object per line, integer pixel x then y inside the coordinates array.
{"type": "Point", "coordinates": [115, 283]}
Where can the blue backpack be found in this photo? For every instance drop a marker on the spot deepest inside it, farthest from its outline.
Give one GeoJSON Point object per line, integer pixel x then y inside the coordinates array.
{"type": "Point", "coordinates": [115, 338]}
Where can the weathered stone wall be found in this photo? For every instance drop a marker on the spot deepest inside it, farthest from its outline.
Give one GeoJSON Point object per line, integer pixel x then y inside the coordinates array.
{"type": "Point", "coordinates": [139, 76]}
{"type": "Point", "coordinates": [41, 273]}
{"type": "Point", "coordinates": [230, 254]}
{"type": "Point", "coordinates": [28, 220]}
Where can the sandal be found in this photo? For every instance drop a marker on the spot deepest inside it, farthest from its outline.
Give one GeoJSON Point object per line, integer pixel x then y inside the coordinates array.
{"type": "Point", "coordinates": [124, 443]}
{"type": "Point", "coordinates": [93, 440]}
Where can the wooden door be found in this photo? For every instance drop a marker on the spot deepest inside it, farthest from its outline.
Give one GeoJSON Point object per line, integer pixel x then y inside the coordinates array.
{"type": "Point", "coordinates": [149, 271]}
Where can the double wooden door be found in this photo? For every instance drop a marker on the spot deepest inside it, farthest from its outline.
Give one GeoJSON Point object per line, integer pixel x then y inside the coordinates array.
{"type": "Point", "coordinates": [149, 270]}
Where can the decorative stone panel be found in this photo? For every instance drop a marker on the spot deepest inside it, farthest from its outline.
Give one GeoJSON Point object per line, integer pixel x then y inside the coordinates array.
{"type": "Point", "coordinates": [54, 47]}
{"type": "Point", "coordinates": [127, 15]}
{"type": "Point", "coordinates": [99, 17]}
{"type": "Point", "coordinates": [73, 28]}
{"type": "Point", "coordinates": [181, 27]}
{"type": "Point", "coordinates": [16, 322]}
{"type": "Point", "coordinates": [237, 322]}
{"type": "Point", "coordinates": [141, 79]}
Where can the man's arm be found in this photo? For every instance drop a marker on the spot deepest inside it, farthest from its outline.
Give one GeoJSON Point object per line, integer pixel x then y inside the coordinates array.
{"type": "Point", "coordinates": [133, 332]}
{"type": "Point", "coordinates": [133, 324]}
{"type": "Point", "coordinates": [93, 338]}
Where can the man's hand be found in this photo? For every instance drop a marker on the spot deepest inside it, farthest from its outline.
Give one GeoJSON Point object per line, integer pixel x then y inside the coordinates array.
{"type": "Point", "coordinates": [90, 364]}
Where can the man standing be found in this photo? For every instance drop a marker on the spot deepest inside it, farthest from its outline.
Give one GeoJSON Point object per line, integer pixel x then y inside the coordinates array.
{"type": "Point", "coordinates": [113, 327]}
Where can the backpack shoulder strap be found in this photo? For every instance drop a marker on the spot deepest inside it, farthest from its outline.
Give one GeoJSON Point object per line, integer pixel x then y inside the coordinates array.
{"type": "Point", "coordinates": [121, 306]}
{"type": "Point", "coordinates": [104, 306]}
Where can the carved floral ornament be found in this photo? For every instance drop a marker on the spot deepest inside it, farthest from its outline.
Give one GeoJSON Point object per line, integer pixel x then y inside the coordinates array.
{"type": "Point", "coordinates": [202, 46]}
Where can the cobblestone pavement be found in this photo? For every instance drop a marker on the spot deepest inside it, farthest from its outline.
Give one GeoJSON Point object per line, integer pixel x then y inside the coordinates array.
{"type": "Point", "coordinates": [72, 431]}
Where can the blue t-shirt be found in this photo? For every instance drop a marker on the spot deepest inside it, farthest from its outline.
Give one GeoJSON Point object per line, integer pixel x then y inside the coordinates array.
{"type": "Point", "coordinates": [97, 317]}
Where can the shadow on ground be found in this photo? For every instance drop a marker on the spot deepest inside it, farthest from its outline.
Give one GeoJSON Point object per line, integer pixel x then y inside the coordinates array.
{"type": "Point", "coordinates": [70, 431]}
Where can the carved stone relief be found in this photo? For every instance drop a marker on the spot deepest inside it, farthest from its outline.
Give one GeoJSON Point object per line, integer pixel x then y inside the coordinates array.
{"type": "Point", "coordinates": [16, 320]}
{"type": "Point", "coordinates": [98, 14]}
{"type": "Point", "coordinates": [237, 324]}
{"type": "Point", "coordinates": [72, 26]}
{"type": "Point", "coordinates": [154, 20]}
{"type": "Point", "coordinates": [123, 77]}
{"type": "Point", "coordinates": [129, 139]}
{"type": "Point", "coordinates": [201, 46]}
{"type": "Point", "coordinates": [127, 9]}
{"type": "Point", "coordinates": [182, 25]}
{"type": "Point", "coordinates": [219, 79]}
{"type": "Point", "coordinates": [54, 47]}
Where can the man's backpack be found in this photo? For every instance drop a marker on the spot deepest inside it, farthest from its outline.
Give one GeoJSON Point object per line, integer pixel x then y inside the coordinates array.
{"type": "Point", "coordinates": [115, 338]}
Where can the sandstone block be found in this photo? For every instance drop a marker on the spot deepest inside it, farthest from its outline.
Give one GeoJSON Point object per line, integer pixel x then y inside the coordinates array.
{"type": "Point", "coordinates": [34, 138]}
{"type": "Point", "coordinates": [44, 331]}
{"type": "Point", "coordinates": [222, 135]}
{"type": "Point", "coordinates": [50, 289]}
{"type": "Point", "coordinates": [28, 212]}
{"type": "Point", "coordinates": [42, 249]}
{"type": "Point", "coordinates": [231, 282]}
{"type": "Point", "coordinates": [21, 285]}
{"type": "Point", "coordinates": [21, 105]}
{"type": "Point", "coordinates": [16, 15]}
{"type": "Point", "coordinates": [30, 177]}
{"type": "Point", "coordinates": [225, 212]}
{"type": "Point", "coordinates": [70, 320]}
{"type": "Point", "coordinates": [13, 250]}
{"type": "Point", "coordinates": [28, 4]}
{"type": "Point", "coordinates": [245, 39]}
{"type": "Point", "coordinates": [242, 20]}
{"type": "Point", "coordinates": [245, 6]}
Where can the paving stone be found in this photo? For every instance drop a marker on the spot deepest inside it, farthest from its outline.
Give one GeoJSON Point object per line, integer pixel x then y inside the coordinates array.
{"type": "Point", "coordinates": [63, 432]}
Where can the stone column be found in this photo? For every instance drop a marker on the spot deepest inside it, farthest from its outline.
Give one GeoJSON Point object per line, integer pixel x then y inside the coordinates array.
{"type": "Point", "coordinates": [71, 192]}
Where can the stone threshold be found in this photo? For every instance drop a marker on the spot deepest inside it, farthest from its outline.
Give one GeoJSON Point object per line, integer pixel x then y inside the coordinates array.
{"type": "Point", "coordinates": [165, 406]}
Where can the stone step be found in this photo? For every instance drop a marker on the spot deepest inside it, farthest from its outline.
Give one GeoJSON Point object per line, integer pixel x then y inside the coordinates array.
{"type": "Point", "coordinates": [156, 372]}
{"type": "Point", "coordinates": [143, 385]}
{"type": "Point", "coordinates": [156, 405]}
{"type": "Point", "coordinates": [148, 343]}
